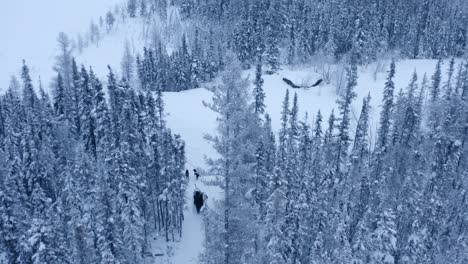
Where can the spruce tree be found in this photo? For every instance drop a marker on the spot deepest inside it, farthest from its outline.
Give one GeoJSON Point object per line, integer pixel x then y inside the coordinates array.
{"type": "Point", "coordinates": [59, 97]}
{"type": "Point", "coordinates": [273, 37]}
{"type": "Point", "coordinates": [344, 105]}
{"type": "Point", "coordinates": [318, 133]}
{"type": "Point", "coordinates": [387, 109]}
{"type": "Point", "coordinates": [259, 94]}
{"type": "Point", "coordinates": [234, 143]}
{"type": "Point", "coordinates": [361, 143]}
{"type": "Point", "coordinates": [127, 63]}
{"type": "Point", "coordinates": [131, 8]}
{"type": "Point", "coordinates": [87, 120]}
{"type": "Point", "coordinates": [128, 180]}
{"type": "Point", "coordinates": [436, 81]}
{"type": "Point", "coordinates": [282, 140]}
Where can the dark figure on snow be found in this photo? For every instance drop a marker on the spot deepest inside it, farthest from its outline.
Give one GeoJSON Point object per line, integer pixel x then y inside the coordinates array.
{"type": "Point", "coordinates": [317, 83]}
{"type": "Point", "coordinates": [290, 83]}
{"type": "Point", "coordinates": [187, 174]}
{"type": "Point", "coordinates": [198, 200]}
{"type": "Point", "coordinates": [195, 172]}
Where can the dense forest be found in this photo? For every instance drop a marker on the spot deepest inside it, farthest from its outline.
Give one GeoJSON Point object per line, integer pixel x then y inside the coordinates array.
{"type": "Point", "coordinates": [281, 32]}
{"type": "Point", "coordinates": [321, 193]}
{"type": "Point", "coordinates": [85, 177]}
{"type": "Point", "coordinates": [90, 172]}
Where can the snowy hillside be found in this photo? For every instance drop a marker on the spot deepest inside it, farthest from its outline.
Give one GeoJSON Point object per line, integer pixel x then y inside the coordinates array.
{"type": "Point", "coordinates": [30, 28]}
{"type": "Point", "coordinates": [138, 33]}
{"type": "Point", "coordinates": [108, 50]}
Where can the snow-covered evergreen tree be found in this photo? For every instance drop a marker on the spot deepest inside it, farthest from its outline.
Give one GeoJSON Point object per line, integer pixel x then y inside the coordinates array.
{"type": "Point", "coordinates": [344, 105]}
{"type": "Point", "coordinates": [259, 94]}
{"type": "Point", "coordinates": [68, 198]}
{"type": "Point", "coordinates": [234, 143]}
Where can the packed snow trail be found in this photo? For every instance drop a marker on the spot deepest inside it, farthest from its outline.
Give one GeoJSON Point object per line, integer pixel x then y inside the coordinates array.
{"type": "Point", "coordinates": [189, 247]}
{"type": "Point", "coordinates": [188, 117]}
{"type": "Point", "coordinates": [191, 243]}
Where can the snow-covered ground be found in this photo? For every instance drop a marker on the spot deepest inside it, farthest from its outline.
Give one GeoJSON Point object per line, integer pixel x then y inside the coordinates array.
{"type": "Point", "coordinates": [188, 117]}
{"type": "Point", "coordinates": [110, 49]}
{"type": "Point", "coordinates": [324, 96]}
{"type": "Point", "coordinates": [138, 33]}
{"type": "Point", "coordinates": [189, 247]}
{"type": "Point", "coordinates": [29, 29]}
{"type": "Point", "coordinates": [34, 36]}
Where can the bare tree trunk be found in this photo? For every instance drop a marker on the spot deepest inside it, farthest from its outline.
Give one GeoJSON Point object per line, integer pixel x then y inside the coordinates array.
{"type": "Point", "coordinates": [161, 216]}
{"type": "Point", "coordinates": [226, 216]}
{"type": "Point", "coordinates": [155, 216]}
{"type": "Point", "coordinates": [227, 188]}
{"type": "Point", "coordinates": [166, 222]}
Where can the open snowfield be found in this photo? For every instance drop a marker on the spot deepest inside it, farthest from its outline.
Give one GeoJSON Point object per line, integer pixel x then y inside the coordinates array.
{"type": "Point", "coordinates": [324, 96]}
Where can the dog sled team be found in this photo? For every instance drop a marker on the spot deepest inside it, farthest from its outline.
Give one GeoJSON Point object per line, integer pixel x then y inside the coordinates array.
{"type": "Point", "coordinates": [199, 197]}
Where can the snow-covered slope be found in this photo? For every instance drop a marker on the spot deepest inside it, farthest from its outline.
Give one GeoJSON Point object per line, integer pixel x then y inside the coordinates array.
{"type": "Point", "coordinates": [109, 50]}
{"type": "Point", "coordinates": [29, 28]}
{"type": "Point", "coordinates": [38, 23]}
{"type": "Point", "coordinates": [138, 33]}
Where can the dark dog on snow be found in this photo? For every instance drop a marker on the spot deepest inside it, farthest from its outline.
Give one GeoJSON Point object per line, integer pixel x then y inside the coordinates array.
{"type": "Point", "coordinates": [198, 199]}
{"type": "Point", "coordinates": [195, 172]}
